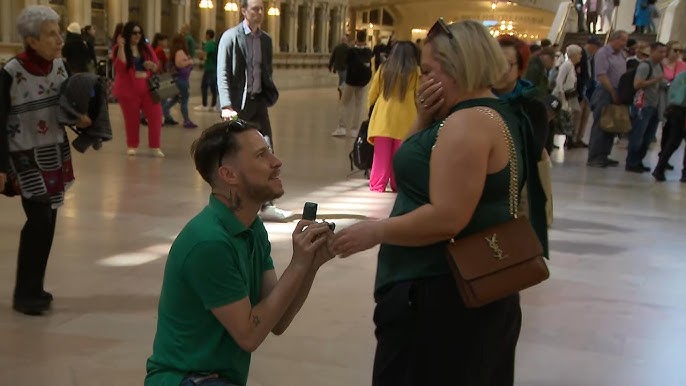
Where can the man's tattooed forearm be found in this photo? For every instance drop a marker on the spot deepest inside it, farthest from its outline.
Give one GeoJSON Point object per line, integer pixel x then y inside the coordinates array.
{"type": "Point", "coordinates": [256, 320]}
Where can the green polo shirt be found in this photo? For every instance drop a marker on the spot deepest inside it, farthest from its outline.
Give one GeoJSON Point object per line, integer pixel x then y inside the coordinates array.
{"type": "Point", "coordinates": [210, 48]}
{"type": "Point", "coordinates": [214, 261]}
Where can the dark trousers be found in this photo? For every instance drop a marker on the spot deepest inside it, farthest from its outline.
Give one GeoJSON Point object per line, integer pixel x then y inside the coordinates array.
{"type": "Point", "coordinates": [209, 82]}
{"type": "Point", "coordinates": [34, 248]}
{"type": "Point", "coordinates": [643, 130]}
{"type": "Point", "coordinates": [676, 122]}
{"type": "Point", "coordinates": [592, 21]}
{"type": "Point", "coordinates": [256, 111]}
{"type": "Point", "coordinates": [600, 145]}
{"type": "Point", "coordinates": [426, 336]}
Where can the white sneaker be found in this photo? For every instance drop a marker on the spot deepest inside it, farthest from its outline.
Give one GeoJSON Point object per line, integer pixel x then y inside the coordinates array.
{"type": "Point", "coordinates": [131, 151]}
{"type": "Point", "coordinates": [352, 134]}
{"type": "Point", "coordinates": [273, 214]}
{"type": "Point", "coordinates": [340, 132]}
{"type": "Point", "coordinates": [199, 108]}
{"type": "Point", "coordinates": [157, 153]}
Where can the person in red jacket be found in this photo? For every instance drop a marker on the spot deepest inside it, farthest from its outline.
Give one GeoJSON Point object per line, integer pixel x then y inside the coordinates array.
{"type": "Point", "coordinates": [135, 62]}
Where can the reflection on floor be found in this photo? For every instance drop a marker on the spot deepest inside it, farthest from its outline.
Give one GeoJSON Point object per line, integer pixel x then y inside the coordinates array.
{"type": "Point", "coordinates": [613, 312]}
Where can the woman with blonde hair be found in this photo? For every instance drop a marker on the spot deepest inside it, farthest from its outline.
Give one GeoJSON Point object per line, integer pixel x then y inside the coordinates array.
{"type": "Point", "coordinates": [391, 96]}
{"type": "Point", "coordinates": [454, 179]}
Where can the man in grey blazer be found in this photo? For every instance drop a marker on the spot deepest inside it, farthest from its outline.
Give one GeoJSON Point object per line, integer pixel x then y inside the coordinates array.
{"type": "Point", "coordinates": [244, 79]}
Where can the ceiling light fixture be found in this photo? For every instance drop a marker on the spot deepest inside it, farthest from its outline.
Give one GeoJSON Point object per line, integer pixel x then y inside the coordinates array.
{"type": "Point", "coordinates": [231, 7]}
{"type": "Point", "coordinates": [206, 4]}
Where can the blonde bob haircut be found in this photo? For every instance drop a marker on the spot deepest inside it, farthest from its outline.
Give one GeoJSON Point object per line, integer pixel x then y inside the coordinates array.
{"type": "Point", "coordinates": [472, 56]}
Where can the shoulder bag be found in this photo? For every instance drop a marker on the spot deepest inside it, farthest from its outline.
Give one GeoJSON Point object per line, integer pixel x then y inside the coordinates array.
{"type": "Point", "coordinates": [501, 260]}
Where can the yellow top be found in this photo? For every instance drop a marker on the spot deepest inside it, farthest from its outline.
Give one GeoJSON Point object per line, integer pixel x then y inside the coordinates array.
{"type": "Point", "coordinates": [392, 117]}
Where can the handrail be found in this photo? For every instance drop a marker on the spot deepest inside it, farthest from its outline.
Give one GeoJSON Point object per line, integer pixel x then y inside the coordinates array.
{"type": "Point", "coordinates": [563, 27]}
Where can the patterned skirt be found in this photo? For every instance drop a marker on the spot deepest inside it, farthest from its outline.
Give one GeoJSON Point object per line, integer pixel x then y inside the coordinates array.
{"type": "Point", "coordinates": [42, 173]}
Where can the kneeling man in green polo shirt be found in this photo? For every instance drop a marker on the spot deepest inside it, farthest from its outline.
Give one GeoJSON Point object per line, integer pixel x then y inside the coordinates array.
{"type": "Point", "coordinates": [220, 295]}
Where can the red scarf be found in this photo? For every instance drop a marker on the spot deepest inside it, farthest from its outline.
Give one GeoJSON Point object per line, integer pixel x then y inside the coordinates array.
{"type": "Point", "coordinates": [34, 63]}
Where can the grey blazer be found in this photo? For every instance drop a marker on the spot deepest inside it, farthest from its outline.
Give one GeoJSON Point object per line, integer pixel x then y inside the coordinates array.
{"type": "Point", "coordinates": [232, 69]}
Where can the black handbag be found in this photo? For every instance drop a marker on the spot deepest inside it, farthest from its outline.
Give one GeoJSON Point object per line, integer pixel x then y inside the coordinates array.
{"type": "Point", "coordinates": [162, 87]}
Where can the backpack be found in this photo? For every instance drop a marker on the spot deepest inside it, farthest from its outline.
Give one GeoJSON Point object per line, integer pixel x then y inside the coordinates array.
{"type": "Point", "coordinates": [359, 71]}
{"type": "Point", "coordinates": [626, 89]}
{"type": "Point", "coordinates": [362, 153]}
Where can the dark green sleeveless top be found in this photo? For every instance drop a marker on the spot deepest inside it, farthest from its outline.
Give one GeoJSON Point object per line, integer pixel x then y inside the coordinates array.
{"type": "Point", "coordinates": [411, 167]}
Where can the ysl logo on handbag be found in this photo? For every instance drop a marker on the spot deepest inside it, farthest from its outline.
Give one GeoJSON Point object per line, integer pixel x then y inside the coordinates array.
{"type": "Point", "coordinates": [498, 253]}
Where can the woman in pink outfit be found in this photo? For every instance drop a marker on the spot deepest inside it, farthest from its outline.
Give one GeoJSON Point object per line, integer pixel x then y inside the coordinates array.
{"type": "Point", "coordinates": [392, 97]}
{"type": "Point", "coordinates": [135, 62]}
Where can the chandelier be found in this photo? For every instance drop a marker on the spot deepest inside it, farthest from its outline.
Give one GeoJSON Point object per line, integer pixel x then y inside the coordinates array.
{"type": "Point", "coordinates": [206, 4]}
{"type": "Point", "coordinates": [231, 7]}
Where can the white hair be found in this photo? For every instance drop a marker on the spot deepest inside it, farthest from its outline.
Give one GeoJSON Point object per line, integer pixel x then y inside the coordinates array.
{"type": "Point", "coordinates": [573, 49]}
{"type": "Point", "coordinates": [31, 19]}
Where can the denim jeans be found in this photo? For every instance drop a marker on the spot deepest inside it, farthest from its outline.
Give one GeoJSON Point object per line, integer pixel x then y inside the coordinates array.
{"type": "Point", "coordinates": [341, 77]}
{"type": "Point", "coordinates": [182, 99]}
{"type": "Point", "coordinates": [643, 129]}
{"type": "Point", "coordinates": [209, 82]}
{"type": "Point", "coordinates": [198, 380]}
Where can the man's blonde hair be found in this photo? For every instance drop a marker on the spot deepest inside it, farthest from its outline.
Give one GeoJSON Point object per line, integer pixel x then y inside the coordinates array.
{"type": "Point", "coordinates": [472, 57]}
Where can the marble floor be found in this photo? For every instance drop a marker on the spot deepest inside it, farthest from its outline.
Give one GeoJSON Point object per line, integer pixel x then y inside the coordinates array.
{"type": "Point", "coordinates": [612, 313]}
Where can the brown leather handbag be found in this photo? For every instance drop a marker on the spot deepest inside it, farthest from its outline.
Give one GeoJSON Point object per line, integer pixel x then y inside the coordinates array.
{"type": "Point", "coordinates": [501, 260]}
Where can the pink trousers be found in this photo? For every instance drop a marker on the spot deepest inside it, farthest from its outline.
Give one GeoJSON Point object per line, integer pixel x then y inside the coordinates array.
{"type": "Point", "coordinates": [132, 103]}
{"type": "Point", "coordinates": [382, 167]}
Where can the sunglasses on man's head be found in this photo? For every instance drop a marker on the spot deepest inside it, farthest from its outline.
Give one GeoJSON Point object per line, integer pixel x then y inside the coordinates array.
{"type": "Point", "coordinates": [439, 27]}
{"type": "Point", "coordinates": [234, 124]}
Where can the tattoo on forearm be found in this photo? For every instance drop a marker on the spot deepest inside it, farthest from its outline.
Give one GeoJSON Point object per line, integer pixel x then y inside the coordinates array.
{"type": "Point", "coordinates": [256, 320]}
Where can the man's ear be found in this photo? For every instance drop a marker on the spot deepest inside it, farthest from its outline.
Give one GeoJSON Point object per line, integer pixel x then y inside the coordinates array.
{"type": "Point", "coordinates": [228, 174]}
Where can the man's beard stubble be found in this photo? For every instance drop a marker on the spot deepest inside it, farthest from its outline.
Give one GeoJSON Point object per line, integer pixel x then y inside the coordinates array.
{"type": "Point", "coordinates": [260, 192]}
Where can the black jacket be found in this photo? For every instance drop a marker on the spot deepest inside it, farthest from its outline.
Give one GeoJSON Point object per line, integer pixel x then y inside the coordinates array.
{"type": "Point", "coordinates": [76, 53]}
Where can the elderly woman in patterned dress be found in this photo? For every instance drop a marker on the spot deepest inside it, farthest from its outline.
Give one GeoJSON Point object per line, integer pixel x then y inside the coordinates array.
{"type": "Point", "coordinates": [35, 160]}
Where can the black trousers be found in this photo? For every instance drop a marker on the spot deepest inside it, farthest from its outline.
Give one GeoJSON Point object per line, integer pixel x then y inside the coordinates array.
{"type": "Point", "coordinates": [426, 336]}
{"type": "Point", "coordinates": [676, 119]}
{"type": "Point", "coordinates": [256, 111]}
{"type": "Point", "coordinates": [35, 243]}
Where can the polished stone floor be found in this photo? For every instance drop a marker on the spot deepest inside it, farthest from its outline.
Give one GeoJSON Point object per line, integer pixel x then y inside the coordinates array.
{"type": "Point", "coordinates": [613, 312]}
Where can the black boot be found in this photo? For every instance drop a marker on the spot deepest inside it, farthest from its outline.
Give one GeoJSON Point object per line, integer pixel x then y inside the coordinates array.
{"type": "Point", "coordinates": [31, 306]}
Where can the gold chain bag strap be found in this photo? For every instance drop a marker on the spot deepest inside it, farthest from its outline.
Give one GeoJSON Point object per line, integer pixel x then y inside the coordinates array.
{"type": "Point", "coordinates": [501, 260]}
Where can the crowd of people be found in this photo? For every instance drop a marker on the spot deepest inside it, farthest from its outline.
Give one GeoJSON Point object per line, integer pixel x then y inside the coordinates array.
{"type": "Point", "coordinates": [221, 296]}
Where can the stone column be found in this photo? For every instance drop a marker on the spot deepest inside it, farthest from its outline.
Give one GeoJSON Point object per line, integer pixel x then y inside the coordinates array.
{"type": "Point", "coordinates": [181, 13]}
{"type": "Point", "coordinates": [152, 17]}
{"type": "Point", "coordinates": [324, 28]}
{"type": "Point", "coordinates": [344, 16]}
{"type": "Point", "coordinates": [293, 26]}
{"type": "Point", "coordinates": [336, 27]}
{"type": "Point", "coordinates": [79, 11]}
{"type": "Point", "coordinates": [231, 18]}
{"type": "Point", "coordinates": [6, 26]}
{"type": "Point", "coordinates": [117, 12]}
{"type": "Point", "coordinates": [274, 29]}
{"type": "Point", "coordinates": [309, 25]}
{"type": "Point", "coordinates": [208, 19]}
